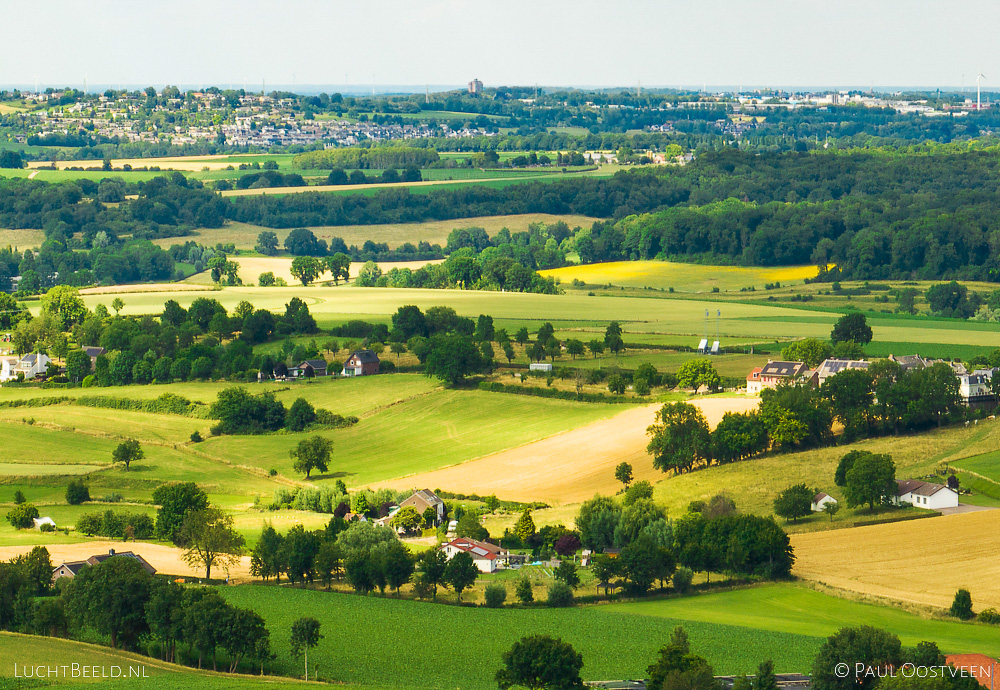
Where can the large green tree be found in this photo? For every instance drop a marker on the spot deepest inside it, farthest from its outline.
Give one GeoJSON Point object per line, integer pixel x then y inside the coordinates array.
{"type": "Point", "coordinates": [863, 651]}
{"type": "Point", "coordinates": [312, 454]}
{"type": "Point", "coordinates": [679, 438]}
{"type": "Point", "coordinates": [871, 480]}
{"type": "Point", "coordinates": [176, 501]}
{"type": "Point", "coordinates": [111, 597]}
{"type": "Point", "coordinates": [794, 502]}
{"type": "Point", "coordinates": [852, 327]}
{"type": "Point", "coordinates": [209, 539]}
{"type": "Point", "coordinates": [540, 662]}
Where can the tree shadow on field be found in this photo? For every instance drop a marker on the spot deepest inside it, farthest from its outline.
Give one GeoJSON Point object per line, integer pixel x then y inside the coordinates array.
{"type": "Point", "coordinates": [331, 475]}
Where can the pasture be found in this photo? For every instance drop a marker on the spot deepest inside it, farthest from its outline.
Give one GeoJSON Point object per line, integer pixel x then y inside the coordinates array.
{"type": "Point", "coordinates": [922, 562]}
{"type": "Point", "coordinates": [642, 319]}
{"type": "Point", "coordinates": [679, 276]}
{"type": "Point", "coordinates": [244, 236]}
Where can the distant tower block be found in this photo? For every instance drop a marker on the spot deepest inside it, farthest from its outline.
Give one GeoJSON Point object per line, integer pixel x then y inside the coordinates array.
{"type": "Point", "coordinates": [475, 87]}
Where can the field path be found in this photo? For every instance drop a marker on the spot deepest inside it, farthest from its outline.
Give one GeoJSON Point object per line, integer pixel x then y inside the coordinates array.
{"type": "Point", "coordinates": [568, 467]}
{"type": "Point", "coordinates": [921, 561]}
{"type": "Point", "coordinates": [166, 559]}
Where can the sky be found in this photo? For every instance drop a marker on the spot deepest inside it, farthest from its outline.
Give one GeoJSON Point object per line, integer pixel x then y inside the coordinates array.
{"type": "Point", "coordinates": [665, 43]}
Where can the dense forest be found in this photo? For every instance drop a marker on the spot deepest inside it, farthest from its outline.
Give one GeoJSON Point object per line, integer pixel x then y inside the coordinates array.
{"type": "Point", "coordinates": [923, 213]}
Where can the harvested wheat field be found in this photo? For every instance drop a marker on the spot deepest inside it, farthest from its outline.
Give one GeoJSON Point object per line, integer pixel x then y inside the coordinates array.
{"type": "Point", "coordinates": [568, 467]}
{"type": "Point", "coordinates": [920, 561]}
{"type": "Point", "coordinates": [166, 559]}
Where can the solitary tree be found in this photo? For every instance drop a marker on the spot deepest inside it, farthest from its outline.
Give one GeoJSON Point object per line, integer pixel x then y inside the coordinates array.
{"type": "Point", "coordinates": [117, 304]}
{"type": "Point", "coordinates": [961, 607]}
{"type": "Point", "coordinates": [127, 452]}
{"type": "Point", "coordinates": [831, 509]}
{"type": "Point", "coordinates": [306, 269]}
{"type": "Point", "coordinates": [209, 539]}
{"type": "Point", "coordinates": [853, 326]}
{"type": "Point", "coordinates": [305, 636]}
{"type": "Point", "coordinates": [312, 454]}
{"type": "Point", "coordinates": [623, 473]}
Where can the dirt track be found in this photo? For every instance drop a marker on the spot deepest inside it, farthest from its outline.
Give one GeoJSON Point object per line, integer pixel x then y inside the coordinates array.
{"type": "Point", "coordinates": [166, 559]}
{"type": "Point", "coordinates": [569, 467]}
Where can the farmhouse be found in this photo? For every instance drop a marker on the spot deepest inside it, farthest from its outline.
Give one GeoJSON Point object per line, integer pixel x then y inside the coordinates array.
{"type": "Point", "coordinates": [753, 382]}
{"type": "Point", "coordinates": [72, 568]}
{"type": "Point", "coordinates": [925, 495]}
{"type": "Point", "coordinates": [316, 366]}
{"type": "Point", "coordinates": [361, 363]}
{"type": "Point", "coordinates": [909, 362]}
{"type": "Point", "coordinates": [975, 388]}
{"type": "Point", "coordinates": [31, 365]}
{"type": "Point", "coordinates": [540, 366]}
{"type": "Point", "coordinates": [7, 365]}
{"type": "Point", "coordinates": [820, 500]}
{"type": "Point", "coordinates": [39, 521]}
{"type": "Point", "coordinates": [774, 373]}
{"type": "Point", "coordinates": [832, 367]}
{"type": "Point", "coordinates": [487, 557]}
{"type": "Point", "coordinates": [424, 499]}
{"type": "Point", "coordinates": [979, 666]}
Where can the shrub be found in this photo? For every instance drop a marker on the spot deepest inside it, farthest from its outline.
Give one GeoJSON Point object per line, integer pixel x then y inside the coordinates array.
{"type": "Point", "coordinates": [560, 594]}
{"type": "Point", "coordinates": [22, 516]}
{"type": "Point", "coordinates": [496, 595]}
{"type": "Point", "coordinates": [196, 437]}
{"type": "Point", "coordinates": [88, 381]}
{"type": "Point", "coordinates": [682, 579]}
{"type": "Point", "coordinates": [989, 616]}
{"type": "Point", "coordinates": [47, 528]}
{"type": "Point", "coordinates": [77, 492]}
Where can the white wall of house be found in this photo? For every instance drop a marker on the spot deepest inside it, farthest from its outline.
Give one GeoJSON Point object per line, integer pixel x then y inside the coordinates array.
{"type": "Point", "coordinates": [944, 498]}
{"type": "Point", "coordinates": [817, 506]}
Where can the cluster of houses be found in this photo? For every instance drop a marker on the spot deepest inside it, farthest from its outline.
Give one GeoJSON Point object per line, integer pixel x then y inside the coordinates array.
{"type": "Point", "coordinates": [913, 492]}
{"type": "Point", "coordinates": [973, 386]}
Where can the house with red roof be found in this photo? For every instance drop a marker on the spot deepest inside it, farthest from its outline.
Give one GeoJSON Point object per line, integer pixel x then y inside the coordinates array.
{"type": "Point", "coordinates": [487, 557]}
{"type": "Point", "coordinates": [979, 666]}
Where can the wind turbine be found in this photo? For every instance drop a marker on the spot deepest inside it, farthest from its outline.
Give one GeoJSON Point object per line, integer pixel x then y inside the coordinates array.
{"type": "Point", "coordinates": [978, 91]}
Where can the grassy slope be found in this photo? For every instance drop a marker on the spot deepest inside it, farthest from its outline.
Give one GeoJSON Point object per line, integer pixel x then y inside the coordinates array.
{"type": "Point", "coordinates": [387, 636]}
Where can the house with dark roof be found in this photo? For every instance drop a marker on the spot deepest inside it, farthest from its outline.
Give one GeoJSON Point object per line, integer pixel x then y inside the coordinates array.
{"type": "Point", "coordinates": [31, 365]}
{"type": "Point", "coordinates": [924, 494]}
{"type": "Point", "coordinates": [909, 362]}
{"type": "Point", "coordinates": [316, 366]}
{"type": "Point", "coordinates": [94, 352]}
{"type": "Point", "coordinates": [72, 568]}
{"type": "Point", "coordinates": [976, 389]}
{"type": "Point", "coordinates": [361, 363]}
{"type": "Point", "coordinates": [424, 499]}
{"type": "Point", "coordinates": [773, 374]}
{"type": "Point", "coordinates": [487, 557]}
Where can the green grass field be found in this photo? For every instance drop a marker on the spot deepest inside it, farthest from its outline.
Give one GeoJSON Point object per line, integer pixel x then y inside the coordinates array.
{"type": "Point", "coordinates": [734, 630]}
{"type": "Point", "coordinates": [48, 652]}
{"type": "Point", "coordinates": [641, 318]}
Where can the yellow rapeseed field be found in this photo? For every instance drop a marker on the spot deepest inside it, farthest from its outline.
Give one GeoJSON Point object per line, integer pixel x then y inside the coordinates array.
{"type": "Point", "coordinates": [680, 276]}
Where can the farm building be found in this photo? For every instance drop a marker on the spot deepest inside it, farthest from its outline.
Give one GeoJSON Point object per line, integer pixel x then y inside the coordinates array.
{"type": "Point", "coordinates": [361, 363]}
{"type": "Point", "coordinates": [487, 557]}
{"type": "Point", "coordinates": [820, 500]}
{"type": "Point", "coordinates": [832, 367]}
{"type": "Point", "coordinates": [924, 494]}
{"type": "Point", "coordinates": [424, 499]}
{"type": "Point", "coordinates": [540, 366]}
{"type": "Point", "coordinates": [39, 521]}
{"type": "Point", "coordinates": [72, 568]}
{"type": "Point", "coordinates": [317, 366]}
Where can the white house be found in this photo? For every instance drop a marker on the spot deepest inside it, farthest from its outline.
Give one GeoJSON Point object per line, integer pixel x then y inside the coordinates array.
{"type": "Point", "coordinates": [487, 557]}
{"type": "Point", "coordinates": [31, 365]}
{"type": "Point", "coordinates": [754, 384]}
{"type": "Point", "coordinates": [820, 500]}
{"type": "Point", "coordinates": [7, 365]}
{"type": "Point", "coordinates": [925, 495]}
{"type": "Point", "coordinates": [540, 366]}
{"type": "Point", "coordinates": [975, 387]}
{"type": "Point", "coordinates": [43, 521]}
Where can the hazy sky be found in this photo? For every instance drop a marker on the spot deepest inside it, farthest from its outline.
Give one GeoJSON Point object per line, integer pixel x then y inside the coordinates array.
{"type": "Point", "coordinates": [551, 42]}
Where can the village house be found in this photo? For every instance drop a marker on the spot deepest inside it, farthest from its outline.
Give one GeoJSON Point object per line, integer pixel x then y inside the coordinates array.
{"type": "Point", "coordinates": [72, 568]}
{"type": "Point", "coordinates": [424, 499]}
{"type": "Point", "coordinates": [820, 500]}
{"type": "Point", "coordinates": [7, 365]}
{"type": "Point", "coordinates": [94, 352]}
{"type": "Point", "coordinates": [31, 365]}
{"type": "Point", "coordinates": [909, 362]}
{"type": "Point", "coordinates": [976, 388]}
{"type": "Point", "coordinates": [487, 557]}
{"type": "Point", "coordinates": [361, 363]}
{"type": "Point", "coordinates": [773, 374]}
{"type": "Point", "coordinates": [832, 367]}
{"type": "Point", "coordinates": [753, 382]}
{"type": "Point", "coordinates": [317, 366]}
{"type": "Point", "coordinates": [924, 494]}
{"type": "Point", "coordinates": [984, 669]}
